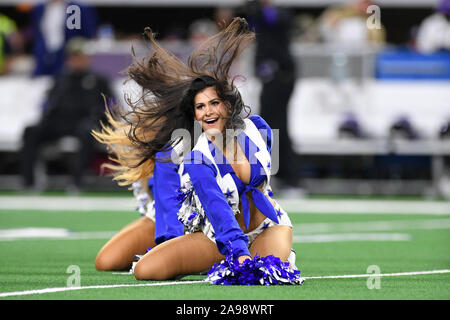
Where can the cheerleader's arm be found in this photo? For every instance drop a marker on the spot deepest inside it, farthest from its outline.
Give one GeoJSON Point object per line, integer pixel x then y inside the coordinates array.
{"type": "Point", "coordinates": [217, 209]}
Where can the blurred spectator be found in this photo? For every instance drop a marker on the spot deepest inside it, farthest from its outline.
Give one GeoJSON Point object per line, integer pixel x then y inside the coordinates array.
{"type": "Point", "coordinates": [200, 30]}
{"type": "Point", "coordinates": [11, 42]}
{"type": "Point", "coordinates": [275, 67]}
{"type": "Point", "coordinates": [434, 32]}
{"type": "Point", "coordinates": [223, 17]}
{"type": "Point", "coordinates": [403, 128]}
{"type": "Point", "coordinates": [350, 127]}
{"type": "Point", "coordinates": [305, 29]}
{"type": "Point", "coordinates": [53, 26]}
{"type": "Point", "coordinates": [444, 132]}
{"type": "Point", "coordinates": [347, 25]}
{"type": "Point", "coordinates": [73, 108]}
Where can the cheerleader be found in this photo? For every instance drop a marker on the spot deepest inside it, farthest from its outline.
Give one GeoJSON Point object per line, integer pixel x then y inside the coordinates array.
{"type": "Point", "coordinates": [158, 209]}
{"type": "Point", "coordinates": [232, 226]}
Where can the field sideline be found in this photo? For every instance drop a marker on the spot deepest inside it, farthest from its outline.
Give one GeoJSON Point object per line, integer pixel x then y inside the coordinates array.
{"type": "Point", "coordinates": [341, 244]}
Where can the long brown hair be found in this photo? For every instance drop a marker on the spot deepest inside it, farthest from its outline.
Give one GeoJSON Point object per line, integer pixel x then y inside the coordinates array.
{"type": "Point", "coordinates": [165, 104]}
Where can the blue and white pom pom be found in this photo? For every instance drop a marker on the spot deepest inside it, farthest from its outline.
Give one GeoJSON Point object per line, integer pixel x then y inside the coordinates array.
{"type": "Point", "coordinates": [191, 213]}
{"type": "Point", "coordinates": [268, 270]}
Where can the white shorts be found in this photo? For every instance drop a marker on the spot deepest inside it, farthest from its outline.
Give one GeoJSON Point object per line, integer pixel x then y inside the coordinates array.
{"type": "Point", "coordinates": [283, 220]}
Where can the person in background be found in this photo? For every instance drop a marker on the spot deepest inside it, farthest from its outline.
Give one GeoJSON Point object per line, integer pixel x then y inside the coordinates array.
{"type": "Point", "coordinates": [223, 17]}
{"type": "Point", "coordinates": [199, 30]}
{"type": "Point", "coordinates": [434, 32]}
{"type": "Point", "coordinates": [346, 25]}
{"type": "Point", "coordinates": [276, 69]}
{"type": "Point", "coordinates": [434, 36]}
{"type": "Point", "coordinates": [11, 42]}
{"type": "Point", "coordinates": [52, 29]}
{"type": "Point", "coordinates": [73, 107]}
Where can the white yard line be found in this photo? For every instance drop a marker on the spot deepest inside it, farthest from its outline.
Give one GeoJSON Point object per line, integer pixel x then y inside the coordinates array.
{"type": "Point", "coordinates": [169, 283]}
{"type": "Point", "coordinates": [295, 206]}
{"type": "Point", "coordinates": [345, 237]}
{"type": "Point", "coordinates": [67, 203]}
{"type": "Point", "coordinates": [366, 206]}
{"type": "Point", "coordinates": [62, 289]}
{"type": "Point", "coordinates": [303, 232]}
{"type": "Point", "coordinates": [51, 234]}
{"type": "Point", "coordinates": [64, 234]}
{"type": "Point", "coordinates": [415, 273]}
{"type": "Point", "coordinates": [384, 225]}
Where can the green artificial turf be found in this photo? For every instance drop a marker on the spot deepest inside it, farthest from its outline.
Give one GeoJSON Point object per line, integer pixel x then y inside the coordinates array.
{"type": "Point", "coordinates": [30, 264]}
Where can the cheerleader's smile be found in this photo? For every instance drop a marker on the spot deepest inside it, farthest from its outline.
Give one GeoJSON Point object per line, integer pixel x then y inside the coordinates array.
{"type": "Point", "coordinates": [210, 111]}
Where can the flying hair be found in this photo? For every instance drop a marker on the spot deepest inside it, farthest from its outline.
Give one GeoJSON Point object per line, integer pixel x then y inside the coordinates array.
{"type": "Point", "coordinates": [165, 103]}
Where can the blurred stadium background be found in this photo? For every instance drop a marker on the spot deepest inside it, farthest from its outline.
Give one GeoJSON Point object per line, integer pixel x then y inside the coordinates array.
{"type": "Point", "coordinates": [369, 115]}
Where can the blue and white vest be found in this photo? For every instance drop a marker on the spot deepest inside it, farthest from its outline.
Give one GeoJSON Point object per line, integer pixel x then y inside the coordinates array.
{"type": "Point", "coordinates": [191, 213]}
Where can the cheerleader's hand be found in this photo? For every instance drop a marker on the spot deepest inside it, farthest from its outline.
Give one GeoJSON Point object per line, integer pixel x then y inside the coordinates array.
{"type": "Point", "coordinates": [243, 258]}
